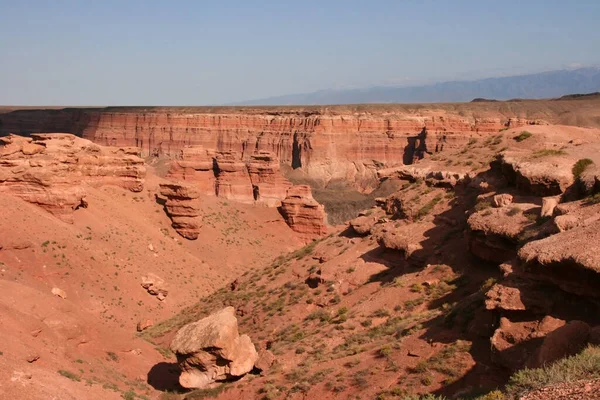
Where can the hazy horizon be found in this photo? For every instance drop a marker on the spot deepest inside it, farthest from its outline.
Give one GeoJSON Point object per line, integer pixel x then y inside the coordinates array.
{"type": "Point", "coordinates": [202, 53]}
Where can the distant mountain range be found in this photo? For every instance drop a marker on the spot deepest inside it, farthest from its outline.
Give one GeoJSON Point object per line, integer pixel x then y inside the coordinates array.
{"type": "Point", "coordinates": [531, 86]}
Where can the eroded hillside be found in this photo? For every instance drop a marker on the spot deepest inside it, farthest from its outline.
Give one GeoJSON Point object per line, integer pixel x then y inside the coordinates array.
{"type": "Point", "coordinates": [479, 257]}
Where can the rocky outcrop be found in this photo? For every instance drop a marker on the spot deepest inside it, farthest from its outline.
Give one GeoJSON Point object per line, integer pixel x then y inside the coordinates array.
{"type": "Point", "coordinates": [548, 176]}
{"type": "Point", "coordinates": [155, 286]}
{"type": "Point", "coordinates": [303, 213]}
{"type": "Point", "coordinates": [212, 350]}
{"type": "Point", "coordinates": [569, 260]}
{"type": "Point", "coordinates": [433, 176]}
{"type": "Point", "coordinates": [495, 232]}
{"type": "Point", "coordinates": [408, 239]}
{"type": "Point", "coordinates": [51, 170]}
{"type": "Point", "coordinates": [327, 145]}
{"type": "Point", "coordinates": [225, 174]}
{"type": "Point", "coordinates": [183, 207]}
{"type": "Point", "coordinates": [233, 179]}
{"type": "Point", "coordinates": [269, 186]}
{"type": "Point", "coordinates": [195, 164]}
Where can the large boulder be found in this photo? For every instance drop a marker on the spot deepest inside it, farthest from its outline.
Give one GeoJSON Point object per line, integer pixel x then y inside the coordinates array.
{"type": "Point", "coordinates": [212, 350]}
{"type": "Point", "coordinates": [303, 213]}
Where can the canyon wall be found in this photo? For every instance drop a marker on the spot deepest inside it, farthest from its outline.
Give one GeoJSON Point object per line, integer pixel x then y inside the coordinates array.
{"type": "Point", "coordinates": [326, 146]}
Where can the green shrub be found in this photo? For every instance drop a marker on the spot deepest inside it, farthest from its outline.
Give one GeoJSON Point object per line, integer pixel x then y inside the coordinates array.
{"type": "Point", "coordinates": [580, 166]}
{"type": "Point", "coordinates": [522, 136]}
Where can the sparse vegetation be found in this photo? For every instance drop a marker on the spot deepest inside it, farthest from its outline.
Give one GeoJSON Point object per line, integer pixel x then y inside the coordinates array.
{"type": "Point", "coordinates": [548, 152]}
{"type": "Point", "coordinates": [580, 166]}
{"type": "Point", "coordinates": [585, 365]}
{"type": "Point", "coordinates": [426, 209]}
{"type": "Point", "coordinates": [522, 136]}
{"type": "Point", "coordinates": [514, 211]}
{"type": "Point", "coordinates": [70, 375]}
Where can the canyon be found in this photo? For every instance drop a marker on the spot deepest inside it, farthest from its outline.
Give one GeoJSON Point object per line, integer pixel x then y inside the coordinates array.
{"type": "Point", "coordinates": [177, 253]}
{"type": "Point", "coordinates": [327, 144]}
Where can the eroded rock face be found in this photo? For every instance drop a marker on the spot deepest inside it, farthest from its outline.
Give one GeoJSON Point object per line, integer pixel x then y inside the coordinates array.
{"type": "Point", "coordinates": [233, 179]}
{"type": "Point", "coordinates": [269, 186]}
{"type": "Point", "coordinates": [195, 164]}
{"type": "Point", "coordinates": [212, 350]}
{"type": "Point", "coordinates": [183, 207]}
{"type": "Point", "coordinates": [570, 259]}
{"type": "Point", "coordinates": [227, 175]}
{"type": "Point", "coordinates": [51, 170]}
{"type": "Point", "coordinates": [494, 233]}
{"type": "Point", "coordinates": [302, 139]}
{"type": "Point", "coordinates": [303, 213]}
{"type": "Point", "coordinates": [542, 177]}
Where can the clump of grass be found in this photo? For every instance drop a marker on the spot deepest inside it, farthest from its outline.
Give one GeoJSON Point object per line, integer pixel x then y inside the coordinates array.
{"type": "Point", "coordinates": [206, 393]}
{"type": "Point", "coordinates": [426, 209]}
{"type": "Point", "coordinates": [595, 199]}
{"type": "Point", "coordinates": [321, 315]}
{"type": "Point", "coordinates": [548, 152]}
{"type": "Point", "coordinates": [522, 136]}
{"type": "Point", "coordinates": [580, 166]}
{"type": "Point", "coordinates": [585, 365]}
{"type": "Point", "coordinates": [380, 313]}
{"type": "Point", "coordinates": [482, 205]}
{"type": "Point", "coordinates": [514, 211]}
{"type": "Point", "coordinates": [70, 375]}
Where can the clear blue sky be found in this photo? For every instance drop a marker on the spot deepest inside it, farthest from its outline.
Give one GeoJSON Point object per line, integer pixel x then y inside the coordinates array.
{"type": "Point", "coordinates": [134, 52]}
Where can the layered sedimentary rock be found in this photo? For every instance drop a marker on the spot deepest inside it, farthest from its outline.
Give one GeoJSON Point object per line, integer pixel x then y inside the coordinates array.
{"type": "Point", "coordinates": [51, 170]}
{"type": "Point", "coordinates": [303, 213]}
{"type": "Point", "coordinates": [269, 186]}
{"type": "Point", "coordinates": [233, 180]}
{"type": "Point", "coordinates": [183, 207]}
{"type": "Point", "coordinates": [328, 146]}
{"type": "Point", "coordinates": [212, 350]}
{"type": "Point", "coordinates": [195, 164]}
{"type": "Point", "coordinates": [225, 174]}
{"type": "Point", "coordinates": [542, 177]}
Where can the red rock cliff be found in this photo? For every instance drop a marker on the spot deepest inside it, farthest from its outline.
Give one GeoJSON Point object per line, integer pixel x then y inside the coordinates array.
{"type": "Point", "coordinates": [51, 170]}
{"type": "Point", "coordinates": [327, 146]}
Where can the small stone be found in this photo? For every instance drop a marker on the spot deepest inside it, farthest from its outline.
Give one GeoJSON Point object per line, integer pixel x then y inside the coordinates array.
{"type": "Point", "coordinates": [150, 247]}
{"type": "Point", "coordinates": [59, 292]}
{"type": "Point", "coordinates": [144, 324]}
{"type": "Point", "coordinates": [502, 200]}
{"type": "Point", "coordinates": [548, 206]}
{"type": "Point", "coordinates": [33, 358]}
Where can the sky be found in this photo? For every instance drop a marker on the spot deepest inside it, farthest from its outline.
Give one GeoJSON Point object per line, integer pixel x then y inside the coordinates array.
{"type": "Point", "coordinates": [169, 52]}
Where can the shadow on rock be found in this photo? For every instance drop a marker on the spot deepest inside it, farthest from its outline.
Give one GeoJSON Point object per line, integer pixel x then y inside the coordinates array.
{"type": "Point", "coordinates": [164, 376]}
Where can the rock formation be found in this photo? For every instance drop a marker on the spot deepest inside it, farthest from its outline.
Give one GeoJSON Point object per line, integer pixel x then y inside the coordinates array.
{"type": "Point", "coordinates": [226, 175]}
{"type": "Point", "coordinates": [233, 179]}
{"type": "Point", "coordinates": [51, 170]}
{"type": "Point", "coordinates": [212, 350]}
{"type": "Point", "coordinates": [269, 186]}
{"type": "Point", "coordinates": [302, 212]}
{"type": "Point", "coordinates": [548, 176]}
{"type": "Point", "coordinates": [195, 164]}
{"type": "Point", "coordinates": [183, 207]}
{"type": "Point", "coordinates": [328, 146]}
